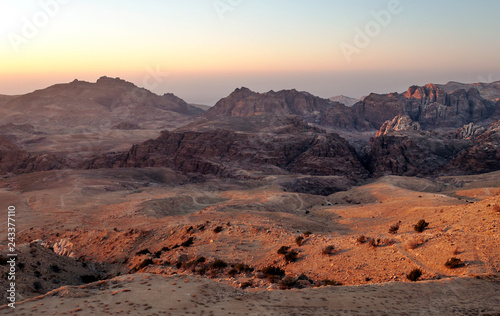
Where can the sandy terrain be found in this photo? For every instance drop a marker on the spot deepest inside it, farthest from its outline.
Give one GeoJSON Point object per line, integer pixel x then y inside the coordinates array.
{"type": "Point", "coordinates": [147, 294]}
{"type": "Point", "coordinates": [138, 221]}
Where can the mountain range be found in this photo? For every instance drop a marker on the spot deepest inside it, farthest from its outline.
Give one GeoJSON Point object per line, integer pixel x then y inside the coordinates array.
{"type": "Point", "coordinates": [425, 131]}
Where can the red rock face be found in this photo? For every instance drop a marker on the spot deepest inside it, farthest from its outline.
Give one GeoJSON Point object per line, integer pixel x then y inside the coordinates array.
{"type": "Point", "coordinates": [401, 149]}
{"type": "Point", "coordinates": [430, 106]}
{"type": "Point", "coordinates": [223, 153]}
{"type": "Point", "coordinates": [15, 160]}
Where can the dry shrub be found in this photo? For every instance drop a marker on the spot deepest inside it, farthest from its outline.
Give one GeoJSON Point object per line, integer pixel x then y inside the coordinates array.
{"type": "Point", "coordinates": [453, 263]}
{"type": "Point", "coordinates": [299, 240]}
{"type": "Point", "coordinates": [328, 250]}
{"type": "Point", "coordinates": [421, 226]}
{"type": "Point", "coordinates": [414, 275]}
{"type": "Point", "coordinates": [394, 229]}
{"type": "Point", "coordinates": [283, 250]}
{"type": "Point", "coordinates": [361, 239]}
{"type": "Point", "coordinates": [291, 256]}
{"type": "Point", "coordinates": [414, 243]}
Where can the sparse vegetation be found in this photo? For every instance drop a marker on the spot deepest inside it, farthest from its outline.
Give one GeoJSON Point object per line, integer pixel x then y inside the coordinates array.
{"type": "Point", "coordinates": [414, 243]}
{"type": "Point", "coordinates": [288, 283]}
{"type": "Point", "coordinates": [326, 282]}
{"type": "Point", "coordinates": [218, 229]}
{"type": "Point", "coordinates": [361, 239]}
{"type": "Point", "coordinates": [307, 233]}
{"type": "Point", "coordinates": [328, 250]}
{"type": "Point", "coordinates": [283, 250]}
{"type": "Point", "coordinates": [232, 272]}
{"type": "Point", "coordinates": [414, 275]}
{"type": "Point", "coordinates": [420, 226]}
{"type": "Point", "coordinates": [394, 229]}
{"type": "Point", "coordinates": [373, 243]}
{"type": "Point", "coordinates": [218, 264]}
{"type": "Point", "coordinates": [454, 263]}
{"type": "Point", "coordinates": [271, 271]}
{"type": "Point", "coordinates": [291, 256]}
{"type": "Point", "coordinates": [299, 240]}
{"type": "Point", "coordinates": [243, 268]}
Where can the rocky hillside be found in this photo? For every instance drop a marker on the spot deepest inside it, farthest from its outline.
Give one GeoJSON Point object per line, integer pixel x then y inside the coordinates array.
{"type": "Point", "coordinates": [402, 148]}
{"type": "Point", "coordinates": [244, 103]}
{"type": "Point", "coordinates": [430, 106]}
{"type": "Point", "coordinates": [296, 148]}
{"type": "Point", "coordinates": [15, 160]}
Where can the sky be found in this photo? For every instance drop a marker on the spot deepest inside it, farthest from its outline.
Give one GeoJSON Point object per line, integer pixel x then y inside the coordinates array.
{"type": "Point", "coordinates": [201, 50]}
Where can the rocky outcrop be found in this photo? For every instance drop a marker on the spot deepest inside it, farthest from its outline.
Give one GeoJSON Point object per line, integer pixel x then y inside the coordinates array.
{"type": "Point", "coordinates": [305, 150]}
{"type": "Point", "coordinates": [469, 131]}
{"type": "Point", "coordinates": [15, 160]}
{"type": "Point", "coordinates": [401, 148]}
{"type": "Point", "coordinates": [401, 123]}
{"type": "Point", "coordinates": [429, 105]}
{"type": "Point", "coordinates": [483, 156]}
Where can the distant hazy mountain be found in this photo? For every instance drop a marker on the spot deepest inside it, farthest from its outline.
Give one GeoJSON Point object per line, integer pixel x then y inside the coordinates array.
{"type": "Point", "coordinates": [83, 105]}
{"type": "Point", "coordinates": [490, 91]}
{"type": "Point", "coordinates": [201, 106]}
{"type": "Point", "coordinates": [347, 101]}
{"type": "Point", "coordinates": [83, 116]}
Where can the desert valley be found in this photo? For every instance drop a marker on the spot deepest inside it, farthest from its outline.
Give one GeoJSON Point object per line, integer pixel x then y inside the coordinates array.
{"type": "Point", "coordinates": [132, 203]}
